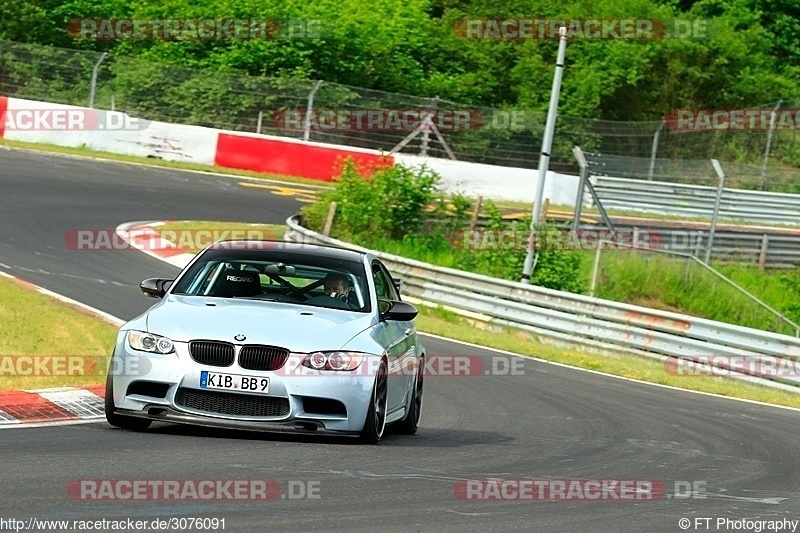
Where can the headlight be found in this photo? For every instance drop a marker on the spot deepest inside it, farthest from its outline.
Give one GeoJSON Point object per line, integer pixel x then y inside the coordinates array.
{"type": "Point", "coordinates": [333, 360]}
{"type": "Point", "coordinates": [147, 342]}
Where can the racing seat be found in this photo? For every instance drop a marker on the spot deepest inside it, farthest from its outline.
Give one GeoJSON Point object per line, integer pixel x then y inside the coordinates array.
{"type": "Point", "coordinates": [237, 283]}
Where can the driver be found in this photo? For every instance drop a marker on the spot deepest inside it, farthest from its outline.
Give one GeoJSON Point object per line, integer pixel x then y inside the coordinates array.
{"type": "Point", "coordinates": [336, 286]}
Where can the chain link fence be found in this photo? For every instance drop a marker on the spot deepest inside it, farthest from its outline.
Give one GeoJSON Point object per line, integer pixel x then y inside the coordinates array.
{"type": "Point", "coordinates": [695, 172]}
{"type": "Point", "coordinates": [279, 106]}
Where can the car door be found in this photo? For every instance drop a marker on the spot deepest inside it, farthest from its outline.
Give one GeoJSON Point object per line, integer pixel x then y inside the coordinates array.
{"type": "Point", "coordinates": [400, 340]}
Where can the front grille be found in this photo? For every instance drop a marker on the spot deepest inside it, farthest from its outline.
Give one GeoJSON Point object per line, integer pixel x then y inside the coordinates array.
{"type": "Point", "coordinates": [212, 353]}
{"type": "Point", "coordinates": [226, 403]}
{"type": "Point", "coordinates": [254, 357]}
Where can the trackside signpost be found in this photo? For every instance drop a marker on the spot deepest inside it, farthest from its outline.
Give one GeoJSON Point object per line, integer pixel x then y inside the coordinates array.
{"type": "Point", "coordinates": [544, 158]}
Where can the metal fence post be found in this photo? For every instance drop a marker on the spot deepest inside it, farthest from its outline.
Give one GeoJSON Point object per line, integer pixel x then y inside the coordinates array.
{"type": "Point", "coordinates": [309, 110]}
{"type": "Point", "coordinates": [426, 134]}
{"type": "Point", "coordinates": [584, 173]}
{"type": "Point", "coordinates": [717, 201]}
{"type": "Point", "coordinates": [653, 152]}
{"type": "Point", "coordinates": [769, 143]}
{"type": "Point", "coordinates": [93, 85]}
{"type": "Point", "coordinates": [595, 268]}
{"type": "Point", "coordinates": [762, 255]}
{"type": "Point", "coordinates": [544, 157]}
{"type": "Point", "coordinates": [698, 243]}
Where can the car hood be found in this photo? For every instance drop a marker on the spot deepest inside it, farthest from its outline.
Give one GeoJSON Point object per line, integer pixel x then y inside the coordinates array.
{"type": "Point", "coordinates": [298, 328]}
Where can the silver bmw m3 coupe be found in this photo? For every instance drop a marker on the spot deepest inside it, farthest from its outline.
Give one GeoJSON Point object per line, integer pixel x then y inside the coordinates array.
{"type": "Point", "coordinates": [271, 336]}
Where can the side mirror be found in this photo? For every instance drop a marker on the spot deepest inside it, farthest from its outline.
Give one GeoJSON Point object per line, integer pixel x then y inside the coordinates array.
{"type": "Point", "coordinates": [155, 287]}
{"type": "Point", "coordinates": [396, 310]}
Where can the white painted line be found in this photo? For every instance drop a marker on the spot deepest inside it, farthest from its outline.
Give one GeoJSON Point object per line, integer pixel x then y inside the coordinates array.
{"type": "Point", "coordinates": [49, 424]}
{"type": "Point", "coordinates": [597, 372]}
{"type": "Point", "coordinates": [102, 314]}
{"type": "Point", "coordinates": [6, 418]}
{"type": "Point", "coordinates": [562, 365]}
{"type": "Point", "coordinates": [111, 319]}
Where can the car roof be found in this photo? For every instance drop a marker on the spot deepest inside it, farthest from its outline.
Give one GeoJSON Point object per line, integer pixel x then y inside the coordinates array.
{"type": "Point", "coordinates": [249, 248]}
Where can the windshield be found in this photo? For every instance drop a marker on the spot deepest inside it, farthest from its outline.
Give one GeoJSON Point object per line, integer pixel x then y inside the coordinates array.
{"type": "Point", "coordinates": [305, 280]}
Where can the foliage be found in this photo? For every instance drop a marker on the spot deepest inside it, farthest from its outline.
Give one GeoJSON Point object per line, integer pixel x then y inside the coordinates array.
{"type": "Point", "coordinates": [398, 210]}
{"type": "Point", "coordinates": [390, 204]}
{"type": "Point", "coordinates": [750, 55]}
{"type": "Point", "coordinates": [555, 268]}
{"type": "Point", "coordinates": [672, 284]}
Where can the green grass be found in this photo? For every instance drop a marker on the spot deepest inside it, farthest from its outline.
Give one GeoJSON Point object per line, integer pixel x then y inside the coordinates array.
{"type": "Point", "coordinates": [449, 324]}
{"type": "Point", "coordinates": [33, 324]}
{"type": "Point", "coordinates": [439, 257]}
{"type": "Point", "coordinates": [51, 327]}
{"type": "Point", "coordinates": [663, 282]}
{"type": "Point", "coordinates": [505, 205]}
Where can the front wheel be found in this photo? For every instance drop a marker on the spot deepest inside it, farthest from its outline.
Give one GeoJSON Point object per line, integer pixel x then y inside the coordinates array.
{"type": "Point", "coordinates": [410, 424]}
{"type": "Point", "coordinates": [125, 422]}
{"type": "Point", "coordinates": [375, 421]}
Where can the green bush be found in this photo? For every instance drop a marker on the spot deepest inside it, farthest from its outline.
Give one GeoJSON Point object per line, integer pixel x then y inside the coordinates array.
{"type": "Point", "coordinates": [391, 204]}
{"type": "Point", "coordinates": [399, 210]}
{"type": "Point", "coordinates": [555, 268]}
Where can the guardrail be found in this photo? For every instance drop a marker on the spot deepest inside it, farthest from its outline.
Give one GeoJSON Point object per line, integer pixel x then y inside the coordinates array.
{"type": "Point", "coordinates": [697, 200]}
{"type": "Point", "coordinates": [746, 353]}
{"type": "Point", "coordinates": [767, 247]}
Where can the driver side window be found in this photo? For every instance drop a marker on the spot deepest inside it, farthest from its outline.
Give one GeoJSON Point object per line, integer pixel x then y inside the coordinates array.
{"type": "Point", "coordinates": [383, 284]}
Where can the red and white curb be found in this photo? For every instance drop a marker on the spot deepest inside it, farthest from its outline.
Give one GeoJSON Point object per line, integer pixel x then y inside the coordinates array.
{"type": "Point", "coordinates": [61, 405]}
{"type": "Point", "coordinates": [144, 237]}
{"type": "Point", "coordinates": [30, 408]}
{"type": "Point", "coordinates": [51, 405]}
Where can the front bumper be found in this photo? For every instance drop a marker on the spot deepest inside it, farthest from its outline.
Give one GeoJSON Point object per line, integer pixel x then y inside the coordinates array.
{"type": "Point", "coordinates": [310, 401]}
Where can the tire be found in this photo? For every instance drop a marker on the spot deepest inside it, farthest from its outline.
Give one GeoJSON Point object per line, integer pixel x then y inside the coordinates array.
{"type": "Point", "coordinates": [410, 424]}
{"type": "Point", "coordinates": [375, 421]}
{"type": "Point", "coordinates": [125, 422]}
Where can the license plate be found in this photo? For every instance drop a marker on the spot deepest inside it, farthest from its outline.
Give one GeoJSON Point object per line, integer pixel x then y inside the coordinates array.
{"type": "Point", "coordinates": [214, 380]}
